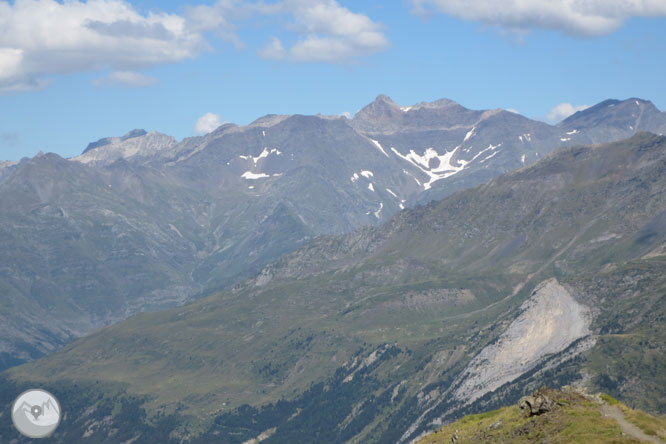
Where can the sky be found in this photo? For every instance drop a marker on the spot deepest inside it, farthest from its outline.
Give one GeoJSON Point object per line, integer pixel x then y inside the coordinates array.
{"type": "Point", "coordinates": [72, 72]}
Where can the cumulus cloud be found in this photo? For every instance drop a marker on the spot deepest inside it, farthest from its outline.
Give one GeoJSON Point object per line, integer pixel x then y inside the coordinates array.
{"type": "Point", "coordinates": [217, 18]}
{"type": "Point", "coordinates": [207, 123]}
{"type": "Point", "coordinates": [562, 111]}
{"type": "Point", "coordinates": [328, 32]}
{"type": "Point", "coordinates": [574, 17]}
{"type": "Point", "coordinates": [40, 38]}
{"type": "Point", "coordinates": [43, 37]}
{"type": "Point", "coordinates": [125, 78]}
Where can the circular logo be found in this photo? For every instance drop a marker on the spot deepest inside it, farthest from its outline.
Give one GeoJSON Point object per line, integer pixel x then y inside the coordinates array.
{"type": "Point", "coordinates": [36, 413]}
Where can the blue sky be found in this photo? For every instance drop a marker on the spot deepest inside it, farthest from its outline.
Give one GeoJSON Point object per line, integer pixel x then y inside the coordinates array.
{"type": "Point", "coordinates": [73, 72]}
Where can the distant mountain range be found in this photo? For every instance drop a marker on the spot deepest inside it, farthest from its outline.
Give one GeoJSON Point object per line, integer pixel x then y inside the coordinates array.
{"type": "Point", "coordinates": [552, 274]}
{"type": "Point", "coordinates": [143, 222]}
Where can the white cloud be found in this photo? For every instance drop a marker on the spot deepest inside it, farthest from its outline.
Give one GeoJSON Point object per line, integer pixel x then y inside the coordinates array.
{"type": "Point", "coordinates": [574, 17]}
{"type": "Point", "coordinates": [202, 18]}
{"type": "Point", "coordinates": [328, 32]}
{"type": "Point", "coordinates": [562, 111]}
{"type": "Point", "coordinates": [125, 78]}
{"type": "Point", "coordinates": [40, 38]}
{"type": "Point", "coordinates": [43, 37]}
{"type": "Point", "coordinates": [207, 123]}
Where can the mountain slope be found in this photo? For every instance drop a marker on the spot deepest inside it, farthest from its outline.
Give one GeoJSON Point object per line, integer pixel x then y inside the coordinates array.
{"type": "Point", "coordinates": [142, 222]}
{"type": "Point", "coordinates": [373, 336]}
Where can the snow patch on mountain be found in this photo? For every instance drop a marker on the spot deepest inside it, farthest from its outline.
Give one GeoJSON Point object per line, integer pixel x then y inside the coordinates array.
{"type": "Point", "coordinates": [491, 147]}
{"type": "Point", "coordinates": [265, 153]}
{"type": "Point", "coordinates": [381, 207]}
{"type": "Point", "coordinates": [253, 176]}
{"type": "Point", "coordinates": [445, 166]}
{"type": "Point", "coordinates": [489, 157]}
{"type": "Point", "coordinates": [379, 146]}
{"type": "Point", "coordinates": [469, 134]}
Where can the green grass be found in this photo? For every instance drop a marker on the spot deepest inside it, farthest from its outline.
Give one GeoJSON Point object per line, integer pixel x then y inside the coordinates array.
{"type": "Point", "coordinates": [649, 424]}
{"type": "Point", "coordinates": [575, 421]}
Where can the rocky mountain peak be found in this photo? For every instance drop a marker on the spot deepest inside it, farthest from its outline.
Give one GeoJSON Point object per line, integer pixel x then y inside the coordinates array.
{"type": "Point", "coordinates": [109, 140]}
{"type": "Point", "coordinates": [137, 142]}
{"type": "Point", "coordinates": [614, 112]}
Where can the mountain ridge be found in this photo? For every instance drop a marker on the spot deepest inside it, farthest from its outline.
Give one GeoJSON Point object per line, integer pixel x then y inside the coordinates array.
{"type": "Point", "coordinates": [384, 330]}
{"type": "Point", "coordinates": [209, 211]}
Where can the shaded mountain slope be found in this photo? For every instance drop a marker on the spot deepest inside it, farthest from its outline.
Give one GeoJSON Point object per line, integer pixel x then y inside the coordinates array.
{"type": "Point", "coordinates": [370, 336]}
{"type": "Point", "coordinates": [148, 222]}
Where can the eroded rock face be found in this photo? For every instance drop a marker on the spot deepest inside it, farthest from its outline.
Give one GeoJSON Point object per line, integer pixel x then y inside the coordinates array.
{"type": "Point", "coordinates": [549, 321]}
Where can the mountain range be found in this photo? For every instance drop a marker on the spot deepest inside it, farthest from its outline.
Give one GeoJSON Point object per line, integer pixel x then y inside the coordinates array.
{"type": "Point", "coordinates": [143, 222]}
{"type": "Point", "coordinates": [553, 274]}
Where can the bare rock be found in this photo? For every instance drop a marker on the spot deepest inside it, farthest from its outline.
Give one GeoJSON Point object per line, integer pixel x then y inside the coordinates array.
{"type": "Point", "coordinates": [536, 404]}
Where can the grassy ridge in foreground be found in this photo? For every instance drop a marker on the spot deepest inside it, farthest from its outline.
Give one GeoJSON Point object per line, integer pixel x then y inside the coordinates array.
{"type": "Point", "coordinates": [576, 418]}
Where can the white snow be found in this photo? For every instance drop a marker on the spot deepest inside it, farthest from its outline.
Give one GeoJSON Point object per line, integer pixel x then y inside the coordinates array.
{"type": "Point", "coordinates": [636, 102]}
{"type": "Point", "coordinates": [355, 177]}
{"type": "Point", "coordinates": [251, 187]}
{"type": "Point", "coordinates": [572, 132]}
{"type": "Point", "coordinates": [490, 147]}
{"type": "Point", "coordinates": [370, 187]}
{"type": "Point", "coordinates": [492, 155]}
{"type": "Point", "coordinates": [469, 134]}
{"type": "Point", "coordinates": [367, 174]}
{"type": "Point", "coordinates": [264, 153]}
{"type": "Point", "coordinates": [527, 137]}
{"type": "Point", "coordinates": [522, 159]}
{"type": "Point", "coordinates": [444, 169]}
{"type": "Point", "coordinates": [263, 133]}
{"type": "Point", "coordinates": [565, 139]}
{"type": "Point", "coordinates": [402, 204]}
{"type": "Point", "coordinates": [521, 138]}
{"type": "Point", "coordinates": [405, 108]}
{"type": "Point", "coordinates": [252, 176]}
{"type": "Point", "coordinates": [392, 193]}
{"type": "Point", "coordinates": [378, 145]}
{"type": "Point", "coordinates": [381, 205]}
{"type": "Point", "coordinates": [631, 127]}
